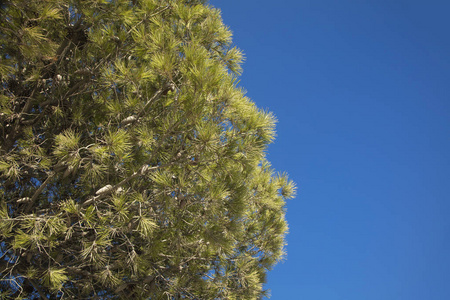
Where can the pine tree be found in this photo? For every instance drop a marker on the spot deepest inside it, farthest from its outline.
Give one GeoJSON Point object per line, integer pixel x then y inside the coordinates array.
{"type": "Point", "coordinates": [132, 165]}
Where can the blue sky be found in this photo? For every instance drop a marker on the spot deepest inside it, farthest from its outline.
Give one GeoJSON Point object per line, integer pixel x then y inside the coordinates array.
{"type": "Point", "coordinates": [361, 90]}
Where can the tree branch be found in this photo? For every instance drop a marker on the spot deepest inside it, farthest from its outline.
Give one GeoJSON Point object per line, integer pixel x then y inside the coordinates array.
{"type": "Point", "coordinates": [36, 287]}
{"type": "Point", "coordinates": [38, 192]}
{"type": "Point", "coordinates": [144, 169]}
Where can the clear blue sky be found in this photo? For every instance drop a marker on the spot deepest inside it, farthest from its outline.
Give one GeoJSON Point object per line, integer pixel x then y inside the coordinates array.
{"type": "Point", "coordinates": [362, 93]}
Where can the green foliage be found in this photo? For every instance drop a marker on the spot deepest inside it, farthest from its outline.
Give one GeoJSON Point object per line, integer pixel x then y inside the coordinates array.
{"type": "Point", "coordinates": [132, 166]}
{"type": "Point", "coordinates": [54, 278]}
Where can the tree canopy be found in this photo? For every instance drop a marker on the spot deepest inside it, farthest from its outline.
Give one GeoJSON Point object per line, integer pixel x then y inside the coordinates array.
{"type": "Point", "coordinates": [132, 165]}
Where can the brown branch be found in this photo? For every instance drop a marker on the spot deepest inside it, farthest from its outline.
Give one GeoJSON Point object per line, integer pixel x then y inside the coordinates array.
{"type": "Point", "coordinates": [38, 289]}
{"type": "Point", "coordinates": [38, 192]}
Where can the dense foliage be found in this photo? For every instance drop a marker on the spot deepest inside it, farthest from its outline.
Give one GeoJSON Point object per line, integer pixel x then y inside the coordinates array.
{"type": "Point", "coordinates": [132, 166]}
